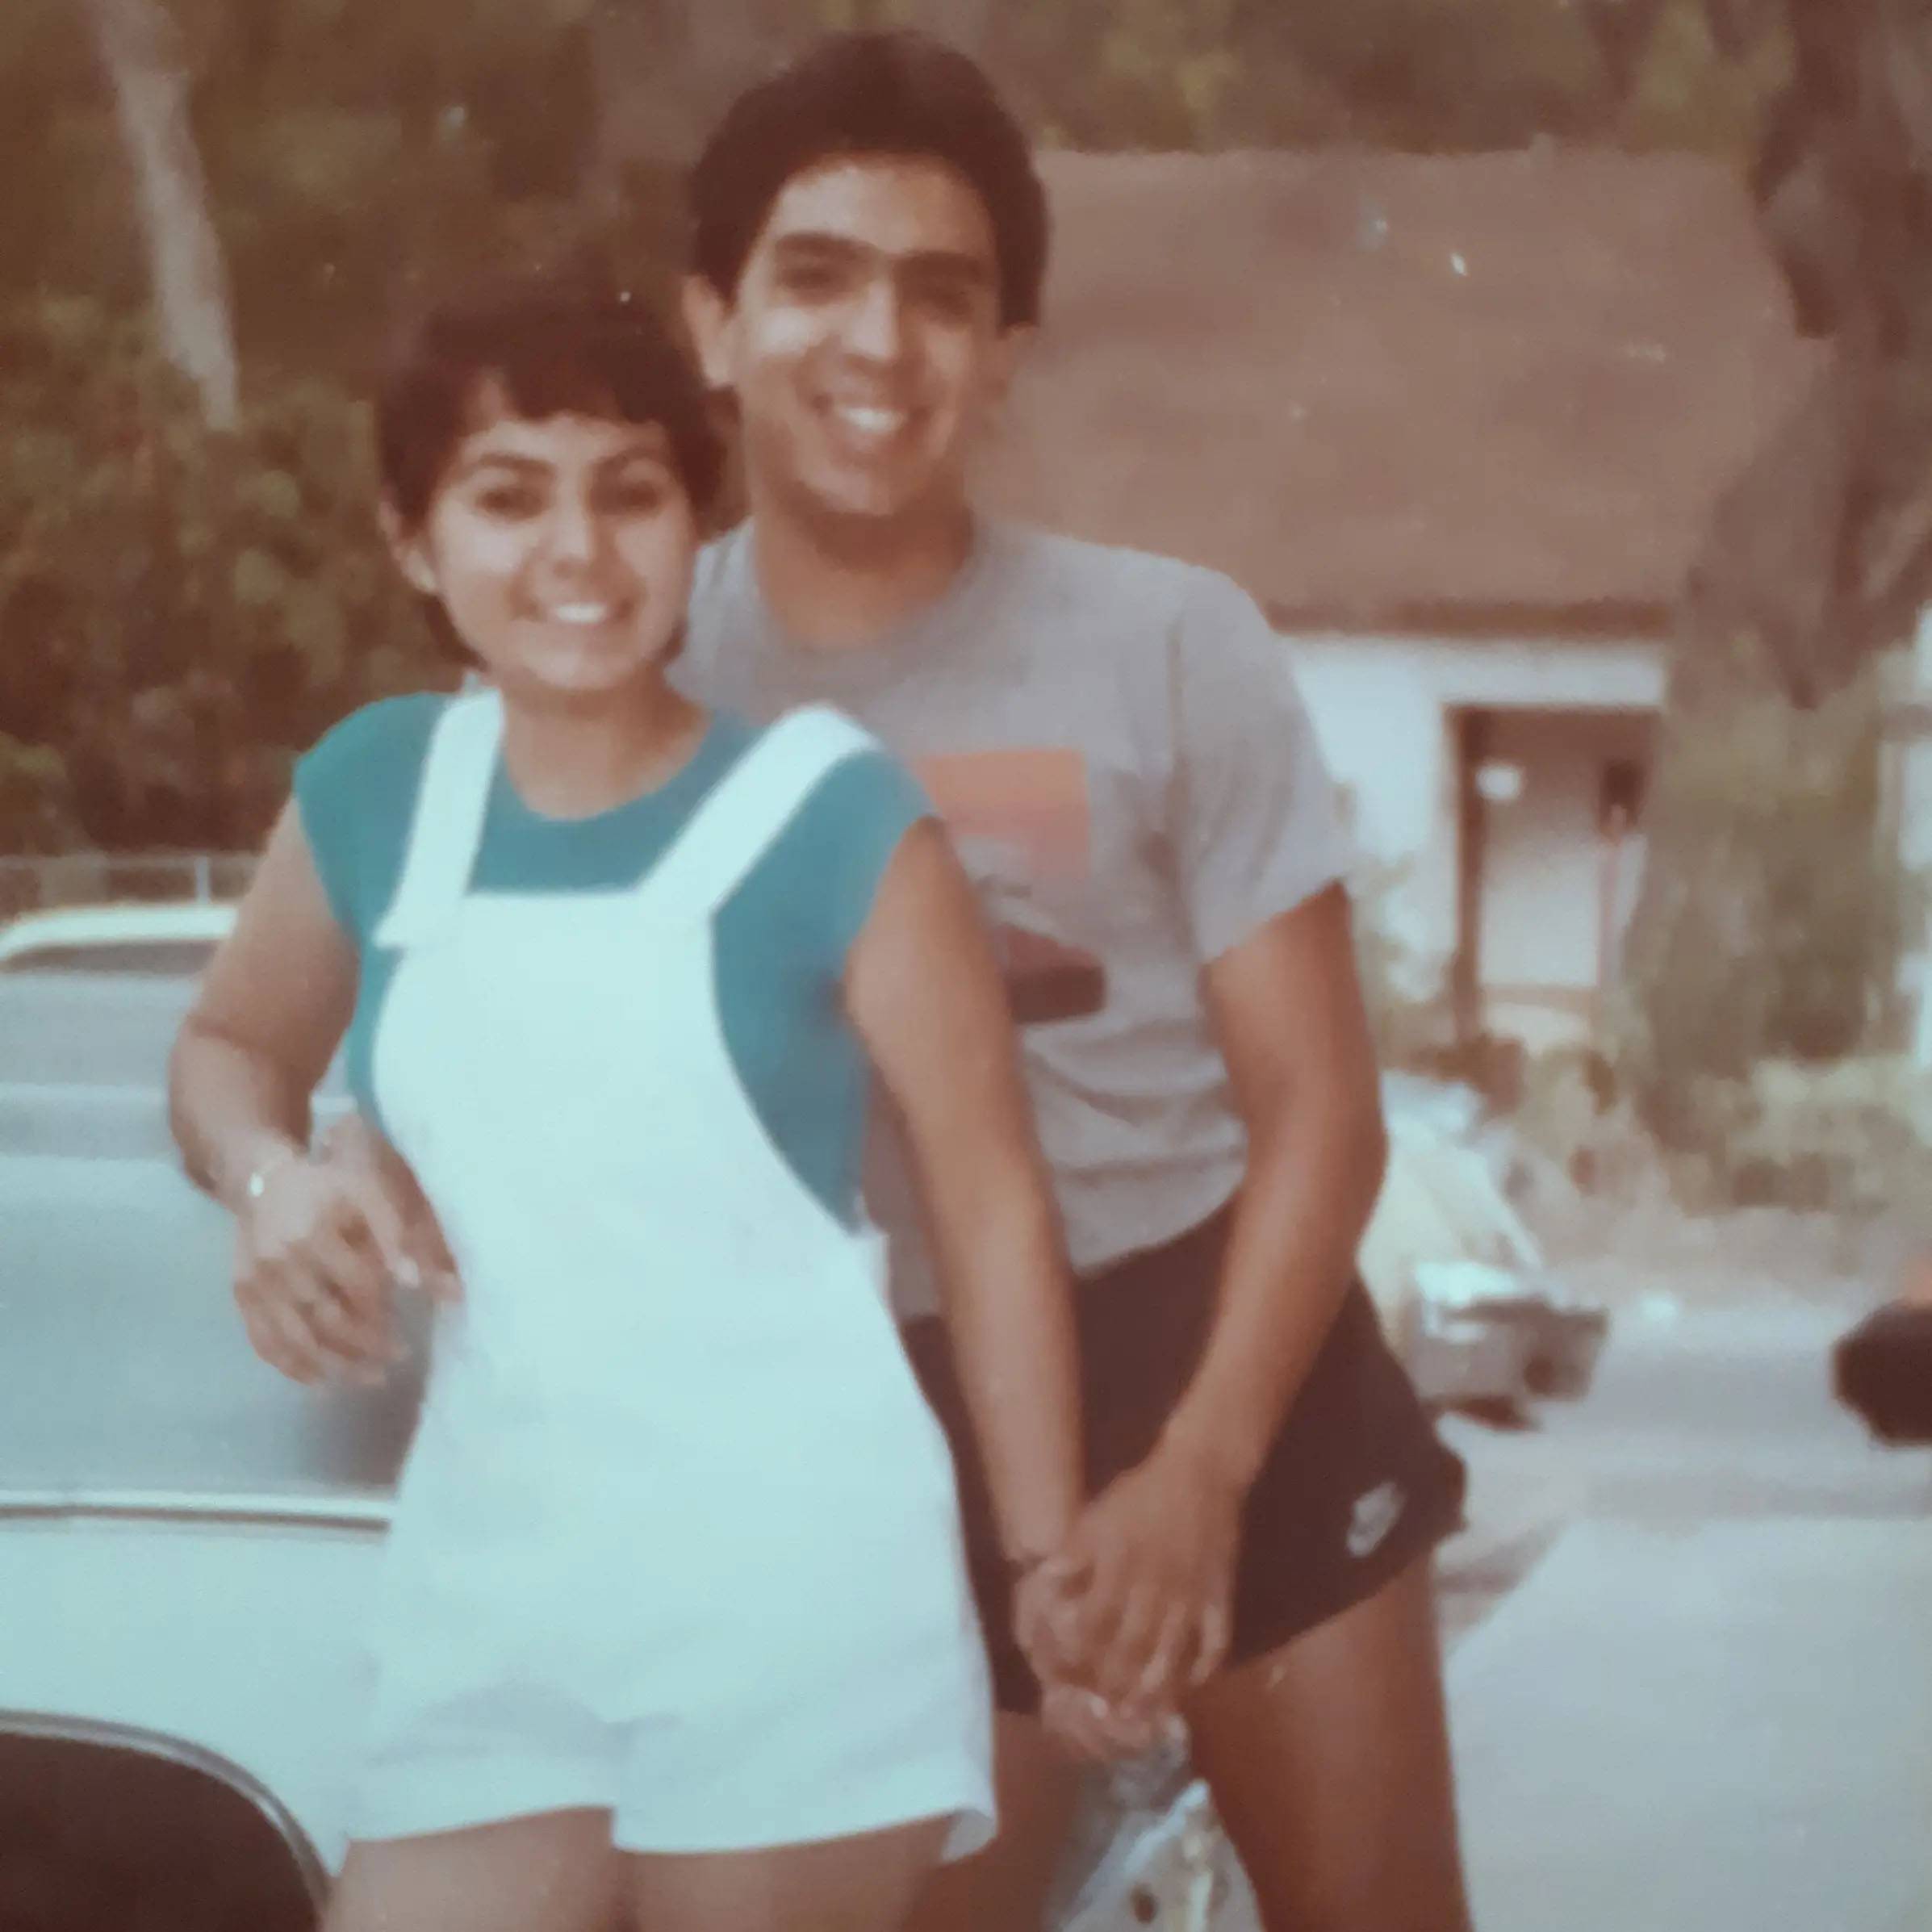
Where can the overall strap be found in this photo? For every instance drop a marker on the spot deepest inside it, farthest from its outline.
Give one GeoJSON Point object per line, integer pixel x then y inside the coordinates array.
{"type": "Point", "coordinates": [754, 803]}
{"type": "Point", "coordinates": [447, 828]}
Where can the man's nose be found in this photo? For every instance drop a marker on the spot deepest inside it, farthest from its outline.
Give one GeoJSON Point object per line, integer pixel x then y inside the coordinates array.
{"type": "Point", "coordinates": [876, 327]}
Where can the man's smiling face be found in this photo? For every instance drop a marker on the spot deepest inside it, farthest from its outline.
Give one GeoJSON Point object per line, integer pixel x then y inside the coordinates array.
{"type": "Point", "coordinates": [864, 341]}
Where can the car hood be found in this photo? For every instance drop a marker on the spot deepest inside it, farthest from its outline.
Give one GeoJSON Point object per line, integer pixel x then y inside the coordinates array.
{"type": "Point", "coordinates": [243, 1639]}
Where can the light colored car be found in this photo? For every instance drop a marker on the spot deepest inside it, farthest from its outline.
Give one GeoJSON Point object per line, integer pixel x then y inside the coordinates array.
{"type": "Point", "coordinates": [1497, 1273]}
{"type": "Point", "coordinates": [188, 1543]}
{"type": "Point", "coordinates": [1458, 1359]}
{"type": "Point", "coordinates": [91, 998]}
{"type": "Point", "coordinates": [167, 939]}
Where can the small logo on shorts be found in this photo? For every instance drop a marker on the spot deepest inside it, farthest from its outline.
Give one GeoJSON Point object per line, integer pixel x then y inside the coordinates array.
{"type": "Point", "coordinates": [1376, 1514]}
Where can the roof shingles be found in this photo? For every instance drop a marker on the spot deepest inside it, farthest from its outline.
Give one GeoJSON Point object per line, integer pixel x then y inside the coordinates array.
{"type": "Point", "coordinates": [1367, 385]}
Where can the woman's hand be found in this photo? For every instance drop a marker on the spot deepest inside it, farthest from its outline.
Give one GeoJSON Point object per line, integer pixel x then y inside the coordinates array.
{"type": "Point", "coordinates": [1151, 1559]}
{"type": "Point", "coordinates": [1047, 1622]}
{"type": "Point", "coordinates": [320, 1246]}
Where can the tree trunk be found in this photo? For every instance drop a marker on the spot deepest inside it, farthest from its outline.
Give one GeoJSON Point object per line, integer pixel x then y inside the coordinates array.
{"type": "Point", "coordinates": [140, 48]}
{"type": "Point", "coordinates": [1818, 556]}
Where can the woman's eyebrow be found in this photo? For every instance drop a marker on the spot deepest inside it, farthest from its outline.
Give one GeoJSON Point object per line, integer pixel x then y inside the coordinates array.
{"type": "Point", "coordinates": [498, 459]}
{"type": "Point", "coordinates": [646, 449]}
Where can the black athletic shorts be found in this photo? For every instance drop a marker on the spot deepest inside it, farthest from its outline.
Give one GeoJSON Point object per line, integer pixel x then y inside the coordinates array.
{"type": "Point", "coordinates": [1356, 1487]}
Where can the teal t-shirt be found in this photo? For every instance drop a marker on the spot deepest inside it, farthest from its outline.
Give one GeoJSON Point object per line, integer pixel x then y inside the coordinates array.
{"type": "Point", "coordinates": [781, 938]}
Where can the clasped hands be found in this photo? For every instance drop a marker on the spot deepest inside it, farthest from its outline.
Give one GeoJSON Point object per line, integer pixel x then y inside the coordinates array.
{"type": "Point", "coordinates": [1132, 1613]}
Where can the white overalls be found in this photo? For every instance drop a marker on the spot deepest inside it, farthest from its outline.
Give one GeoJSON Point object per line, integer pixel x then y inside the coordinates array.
{"type": "Point", "coordinates": [677, 1535]}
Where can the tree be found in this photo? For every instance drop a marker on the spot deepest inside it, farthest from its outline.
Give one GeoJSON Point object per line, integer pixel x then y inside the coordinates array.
{"type": "Point", "coordinates": [142, 51]}
{"type": "Point", "coordinates": [1820, 555]}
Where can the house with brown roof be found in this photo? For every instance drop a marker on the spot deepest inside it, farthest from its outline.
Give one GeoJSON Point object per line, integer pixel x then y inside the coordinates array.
{"type": "Point", "coordinates": [1459, 424]}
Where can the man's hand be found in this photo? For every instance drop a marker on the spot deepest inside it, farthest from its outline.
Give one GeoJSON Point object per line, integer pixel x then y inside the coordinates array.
{"type": "Point", "coordinates": [1048, 1620]}
{"type": "Point", "coordinates": [319, 1249]}
{"type": "Point", "coordinates": [1152, 1561]}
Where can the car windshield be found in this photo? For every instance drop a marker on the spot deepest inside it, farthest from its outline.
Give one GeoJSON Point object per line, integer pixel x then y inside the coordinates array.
{"type": "Point", "coordinates": [125, 1368]}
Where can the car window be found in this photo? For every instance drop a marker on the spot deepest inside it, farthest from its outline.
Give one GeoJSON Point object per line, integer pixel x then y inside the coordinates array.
{"type": "Point", "coordinates": [155, 958]}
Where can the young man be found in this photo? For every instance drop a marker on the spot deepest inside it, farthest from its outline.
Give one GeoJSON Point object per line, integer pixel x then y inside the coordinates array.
{"type": "Point", "coordinates": [869, 244]}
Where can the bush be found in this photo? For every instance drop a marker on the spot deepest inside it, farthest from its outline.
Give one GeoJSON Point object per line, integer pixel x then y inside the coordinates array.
{"type": "Point", "coordinates": [1853, 1139]}
{"type": "Point", "coordinates": [180, 612]}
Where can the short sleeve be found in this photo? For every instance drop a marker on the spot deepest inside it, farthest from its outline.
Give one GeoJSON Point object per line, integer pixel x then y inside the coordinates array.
{"type": "Point", "coordinates": [832, 855]}
{"type": "Point", "coordinates": [355, 791]}
{"type": "Point", "coordinates": [1256, 826]}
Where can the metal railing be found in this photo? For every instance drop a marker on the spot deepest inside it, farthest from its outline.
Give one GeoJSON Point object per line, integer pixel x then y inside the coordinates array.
{"type": "Point", "coordinates": [32, 885]}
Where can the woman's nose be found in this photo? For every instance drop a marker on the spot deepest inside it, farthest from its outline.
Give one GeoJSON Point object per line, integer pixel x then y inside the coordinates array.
{"type": "Point", "coordinates": [574, 532]}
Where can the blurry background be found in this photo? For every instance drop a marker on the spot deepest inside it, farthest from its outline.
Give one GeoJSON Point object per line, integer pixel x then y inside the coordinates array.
{"type": "Point", "coordinates": [1556, 371]}
{"type": "Point", "coordinates": [1558, 375]}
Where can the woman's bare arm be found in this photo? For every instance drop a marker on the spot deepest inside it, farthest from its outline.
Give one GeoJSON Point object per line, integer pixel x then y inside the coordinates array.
{"type": "Point", "coordinates": [272, 1010]}
{"type": "Point", "coordinates": [925, 992]}
{"type": "Point", "coordinates": [318, 1241]}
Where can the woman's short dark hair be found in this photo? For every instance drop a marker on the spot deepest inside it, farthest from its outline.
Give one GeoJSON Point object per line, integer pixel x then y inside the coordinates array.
{"type": "Point", "coordinates": [556, 343]}
{"type": "Point", "coordinates": [871, 94]}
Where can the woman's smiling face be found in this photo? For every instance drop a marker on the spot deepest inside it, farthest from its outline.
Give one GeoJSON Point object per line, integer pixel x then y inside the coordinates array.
{"type": "Point", "coordinates": [561, 550]}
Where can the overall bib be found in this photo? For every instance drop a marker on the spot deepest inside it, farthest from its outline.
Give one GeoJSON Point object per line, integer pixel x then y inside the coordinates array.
{"type": "Point", "coordinates": [677, 1535]}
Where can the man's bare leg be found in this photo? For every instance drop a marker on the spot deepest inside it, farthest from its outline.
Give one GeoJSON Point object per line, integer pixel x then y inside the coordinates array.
{"type": "Point", "coordinates": [1329, 1762]}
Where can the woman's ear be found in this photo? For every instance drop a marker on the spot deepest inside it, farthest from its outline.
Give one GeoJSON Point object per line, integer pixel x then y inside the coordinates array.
{"type": "Point", "coordinates": [708, 321]}
{"type": "Point", "coordinates": [405, 545]}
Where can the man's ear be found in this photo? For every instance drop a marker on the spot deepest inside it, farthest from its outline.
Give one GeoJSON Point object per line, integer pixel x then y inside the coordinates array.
{"type": "Point", "coordinates": [1012, 350]}
{"type": "Point", "coordinates": [707, 319]}
{"type": "Point", "coordinates": [406, 547]}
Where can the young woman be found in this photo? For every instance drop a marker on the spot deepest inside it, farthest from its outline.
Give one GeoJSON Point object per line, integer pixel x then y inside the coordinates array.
{"type": "Point", "coordinates": [675, 1626]}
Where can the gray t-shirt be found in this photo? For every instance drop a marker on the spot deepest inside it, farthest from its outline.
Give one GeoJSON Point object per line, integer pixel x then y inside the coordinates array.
{"type": "Point", "coordinates": [1117, 741]}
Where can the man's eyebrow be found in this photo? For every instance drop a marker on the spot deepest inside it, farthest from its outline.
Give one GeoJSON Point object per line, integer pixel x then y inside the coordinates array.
{"type": "Point", "coordinates": [812, 243]}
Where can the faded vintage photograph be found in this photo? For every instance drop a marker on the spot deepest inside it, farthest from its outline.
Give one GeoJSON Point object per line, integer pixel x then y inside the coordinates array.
{"type": "Point", "coordinates": [966, 966]}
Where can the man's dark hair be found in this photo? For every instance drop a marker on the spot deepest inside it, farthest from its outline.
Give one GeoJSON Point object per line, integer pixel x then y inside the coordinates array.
{"type": "Point", "coordinates": [902, 93]}
{"type": "Point", "coordinates": [556, 343]}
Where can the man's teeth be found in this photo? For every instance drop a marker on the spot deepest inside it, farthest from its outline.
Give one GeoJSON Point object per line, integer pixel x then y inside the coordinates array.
{"type": "Point", "coordinates": [872, 420]}
{"type": "Point", "coordinates": [581, 613]}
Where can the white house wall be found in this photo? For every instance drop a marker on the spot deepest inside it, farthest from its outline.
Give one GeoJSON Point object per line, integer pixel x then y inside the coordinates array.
{"type": "Point", "coordinates": [1383, 707]}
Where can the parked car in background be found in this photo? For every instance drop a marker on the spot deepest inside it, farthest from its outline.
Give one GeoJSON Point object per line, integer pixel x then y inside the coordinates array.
{"type": "Point", "coordinates": [1465, 1292]}
{"type": "Point", "coordinates": [1500, 1274]}
{"type": "Point", "coordinates": [1458, 1359]}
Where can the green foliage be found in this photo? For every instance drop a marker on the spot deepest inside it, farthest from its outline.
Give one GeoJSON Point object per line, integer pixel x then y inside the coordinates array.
{"type": "Point", "coordinates": [1416, 74]}
{"type": "Point", "coordinates": [179, 613]}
